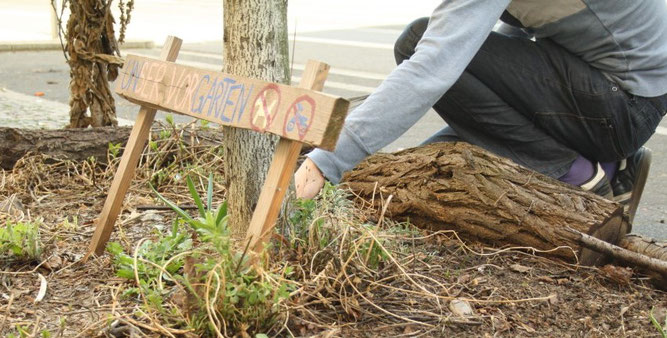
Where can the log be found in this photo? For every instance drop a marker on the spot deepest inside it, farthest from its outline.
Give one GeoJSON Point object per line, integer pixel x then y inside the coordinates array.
{"type": "Point", "coordinates": [76, 144]}
{"type": "Point", "coordinates": [461, 187]}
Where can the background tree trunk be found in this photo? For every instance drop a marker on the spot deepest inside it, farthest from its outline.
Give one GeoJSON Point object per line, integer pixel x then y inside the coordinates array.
{"type": "Point", "coordinates": [457, 186]}
{"type": "Point", "coordinates": [94, 60]}
{"type": "Point", "coordinates": [255, 45]}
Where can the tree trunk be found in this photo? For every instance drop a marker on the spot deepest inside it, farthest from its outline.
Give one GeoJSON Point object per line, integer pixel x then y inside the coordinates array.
{"type": "Point", "coordinates": [91, 45]}
{"type": "Point", "coordinates": [255, 45]}
{"type": "Point", "coordinates": [79, 144]}
{"type": "Point", "coordinates": [457, 186]}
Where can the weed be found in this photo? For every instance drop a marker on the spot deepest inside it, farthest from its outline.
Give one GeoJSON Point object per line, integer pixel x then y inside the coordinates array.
{"type": "Point", "coordinates": [170, 119]}
{"type": "Point", "coordinates": [662, 328]}
{"type": "Point", "coordinates": [229, 293]}
{"type": "Point", "coordinates": [114, 150]}
{"type": "Point", "coordinates": [159, 252]}
{"type": "Point", "coordinates": [21, 240]}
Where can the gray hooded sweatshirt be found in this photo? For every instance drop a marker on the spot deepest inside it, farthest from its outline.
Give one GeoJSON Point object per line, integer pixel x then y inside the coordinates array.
{"type": "Point", "coordinates": [625, 39]}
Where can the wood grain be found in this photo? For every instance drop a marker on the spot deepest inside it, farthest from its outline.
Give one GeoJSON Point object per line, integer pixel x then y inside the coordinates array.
{"type": "Point", "coordinates": [281, 170]}
{"type": "Point", "coordinates": [295, 113]}
{"type": "Point", "coordinates": [128, 163]}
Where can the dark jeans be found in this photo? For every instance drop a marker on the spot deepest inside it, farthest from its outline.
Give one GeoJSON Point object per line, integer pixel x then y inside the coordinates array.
{"type": "Point", "coordinates": [539, 105]}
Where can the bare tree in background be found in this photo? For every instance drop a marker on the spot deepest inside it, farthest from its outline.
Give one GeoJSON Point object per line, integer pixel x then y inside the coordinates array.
{"type": "Point", "coordinates": [94, 58]}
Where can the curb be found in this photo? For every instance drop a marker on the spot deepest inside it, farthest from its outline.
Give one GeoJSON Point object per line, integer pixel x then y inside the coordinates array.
{"type": "Point", "coordinates": [22, 46]}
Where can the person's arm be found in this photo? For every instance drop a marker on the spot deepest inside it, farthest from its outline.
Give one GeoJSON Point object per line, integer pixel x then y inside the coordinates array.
{"type": "Point", "coordinates": [456, 30]}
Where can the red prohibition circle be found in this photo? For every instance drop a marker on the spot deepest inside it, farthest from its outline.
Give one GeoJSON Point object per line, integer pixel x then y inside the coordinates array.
{"type": "Point", "coordinates": [292, 117]}
{"type": "Point", "coordinates": [262, 95]}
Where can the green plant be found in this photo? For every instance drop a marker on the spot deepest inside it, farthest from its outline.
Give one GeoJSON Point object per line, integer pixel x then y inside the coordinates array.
{"type": "Point", "coordinates": [158, 252]}
{"type": "Point", "coordinates": [229, 292]}
{"type": "Point", "coordinates": [165, 134]}
{"type": "Point", "coordinates": [21, 240]}
{"type": "Point", "coordinates": [114, 150]}
{"type": "Point", "coordinates": [662, 328]}
{"type": "Point", "coordinates": [372, 251]}
{"type": "Point", "coordinates": [170, 119]}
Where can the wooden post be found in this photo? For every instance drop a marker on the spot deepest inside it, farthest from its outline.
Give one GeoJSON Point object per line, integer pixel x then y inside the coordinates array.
{"type": "Point", "coordinates": [128, 162]}
{"type": "Point", "coordinates": [281, 169]}
{"type": "Point", "coordinates": [299, 115]}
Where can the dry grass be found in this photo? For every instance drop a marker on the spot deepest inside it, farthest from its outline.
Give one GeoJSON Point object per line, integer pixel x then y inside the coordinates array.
{"type": "Point", "coordinates": [355, 272]}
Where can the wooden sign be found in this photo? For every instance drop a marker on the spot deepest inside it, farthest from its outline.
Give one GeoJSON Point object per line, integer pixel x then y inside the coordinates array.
{"type": "Point", "coordinates": [297, 114]}
{"type": "Point", "coordinates": [293, 113]}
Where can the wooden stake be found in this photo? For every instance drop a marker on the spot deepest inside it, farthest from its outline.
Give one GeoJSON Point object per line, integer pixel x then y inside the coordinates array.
{"type": "Point", "coordinates": [128, 163]}
{"type": "Point", "coordinates": [281, 169]}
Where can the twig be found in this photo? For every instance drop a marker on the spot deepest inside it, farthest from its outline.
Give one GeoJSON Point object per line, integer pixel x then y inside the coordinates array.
{"type": "Point", "coordinates": [617, 252]}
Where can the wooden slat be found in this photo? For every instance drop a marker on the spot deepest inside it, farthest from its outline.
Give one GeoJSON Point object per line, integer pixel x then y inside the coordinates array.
{"type": "Point", "coordinates": [298, 114]}
{"type": "Point", "coordinates": [281, 169]}
{"type": "Point", "coordinates": [128, 163]}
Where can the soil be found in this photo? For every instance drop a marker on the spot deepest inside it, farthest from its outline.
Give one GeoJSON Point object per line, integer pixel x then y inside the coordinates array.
{"type": "Point", "coordinates": [510, 291]}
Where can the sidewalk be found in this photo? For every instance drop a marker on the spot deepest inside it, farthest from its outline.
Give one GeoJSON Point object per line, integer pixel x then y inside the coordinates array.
{"type": "Point", "coordinates": [31, 112]}
{"type": "Point", "coordinates": [39, 45]}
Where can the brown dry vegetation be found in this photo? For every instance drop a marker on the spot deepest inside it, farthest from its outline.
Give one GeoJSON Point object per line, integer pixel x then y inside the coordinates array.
{"type": "Point", "coordinates": [417, 287]}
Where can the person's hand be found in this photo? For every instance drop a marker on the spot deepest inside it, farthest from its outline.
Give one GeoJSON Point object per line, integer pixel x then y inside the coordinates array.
{"type": "Point", "coordinates": [308, 180]}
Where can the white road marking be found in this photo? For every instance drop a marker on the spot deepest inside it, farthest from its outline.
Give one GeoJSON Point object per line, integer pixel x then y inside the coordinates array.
{"type": "Point", "coordinates": [346, 43]}
{"type": "Point", "coordinates": [661, 130]}
{"type": "Point", "coordinates": [396, 31]}
{"type": "Point", "coordinates": [343, 86]}
{"type": "Point", "coordinates": [298, 66]}
{"type": "Point", "coordinates": [328, 84]}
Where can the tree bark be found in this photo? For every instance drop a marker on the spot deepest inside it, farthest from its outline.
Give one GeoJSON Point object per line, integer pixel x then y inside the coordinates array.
{"type": "Point", "coordinates": [94, 60]}
{"type": "Point", "coordinates": [651, 248]}
{"type": "Point", "coordinates": [79, 144]}
{"type": "Point", "coordinates": [255, 45]}
{"type": "Point", "coordinates": [457, 186]}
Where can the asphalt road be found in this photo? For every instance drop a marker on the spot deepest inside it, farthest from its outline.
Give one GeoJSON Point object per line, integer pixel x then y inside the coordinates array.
{"type": "Point", "coordinates": [360, 59]}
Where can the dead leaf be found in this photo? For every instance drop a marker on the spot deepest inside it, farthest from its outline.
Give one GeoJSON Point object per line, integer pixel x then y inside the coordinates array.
{"type": "Point", "coordinates": [460, 307]}
{"type": "Point", "coordinates": [42, 288]}
{"type": "Point", "coordinates": [478, 280]}
{"type": "Point", "coordinates": [553, 299]}
{"type": "Point", "coordinates": [465, 278]}
{"type": "Point", "coordinates": [620, 275]}
{"type": "Point", "coordinates": [624, 310]}
{"type": "Point", "coordinates": [520, 268]}
{"type": "Point", "coordinates": [527, 328]}
{"type": "Point", "coordinates": [54, 262]}
{"type": "Point", "coordinates": [409, 329]}
{"type": "Point", "coordinates": [546, 279]}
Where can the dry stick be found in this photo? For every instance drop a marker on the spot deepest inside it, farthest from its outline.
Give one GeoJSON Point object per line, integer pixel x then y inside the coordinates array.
{"type": "Point", "coordinates": [9, 305]}
{"type": "Point", "coordinates": [614, 251]}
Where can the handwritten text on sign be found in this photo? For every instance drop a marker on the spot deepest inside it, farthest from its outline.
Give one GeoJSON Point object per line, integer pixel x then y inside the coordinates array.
{"type": "Point", "coordinates": [290, 112]}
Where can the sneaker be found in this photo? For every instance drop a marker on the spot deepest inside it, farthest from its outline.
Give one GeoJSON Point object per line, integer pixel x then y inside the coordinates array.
{"type": "Point", "coordinates": [628, 183]}
{"type": "Point", "coordinates": [598, 184]}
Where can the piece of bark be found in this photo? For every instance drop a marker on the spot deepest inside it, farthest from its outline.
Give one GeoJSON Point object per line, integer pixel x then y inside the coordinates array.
{"type": "Point", "coordinates": [76, 144]}
{"type": "Point", "coordinates": [457, 186]}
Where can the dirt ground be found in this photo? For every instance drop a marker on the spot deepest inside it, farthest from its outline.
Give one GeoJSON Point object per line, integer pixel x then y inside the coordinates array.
{"type": "Point", "coordinates": [435, 285]}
